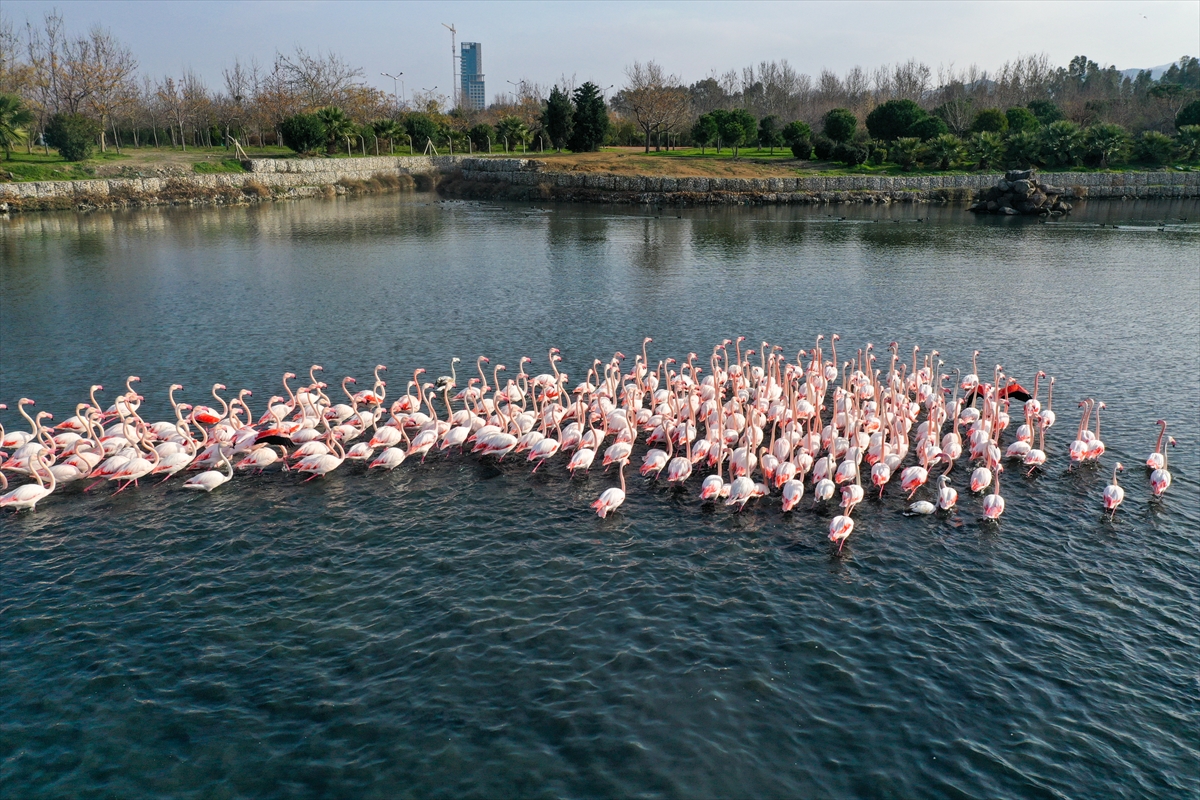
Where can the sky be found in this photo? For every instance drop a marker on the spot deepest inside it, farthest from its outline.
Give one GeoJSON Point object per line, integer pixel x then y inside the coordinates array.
{"type": "Point", "coordinates": [545, 41]}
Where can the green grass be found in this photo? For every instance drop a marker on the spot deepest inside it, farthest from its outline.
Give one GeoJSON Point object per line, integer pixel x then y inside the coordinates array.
{"type": "Point", "coordinates": [214, 167]}
{"type": "Point", "coordinates": [53, 167]}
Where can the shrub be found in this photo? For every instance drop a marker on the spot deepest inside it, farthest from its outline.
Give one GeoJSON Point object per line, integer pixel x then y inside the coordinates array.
{"type": "Point", "coordinates": [303, 133]}
{"type": "Point", "coordinates": [943, 151]}
{"type": "Point", "coordinates": [985, 150]}
{"type": "Point", "coordinates": [482, 136]}
{"type": "Point", "coordinates": [1023, 149]}
{"type": "Point", "coordinates": [840, 124]}
{"type": "Point", "coordinates": [1062, 143]}
{"type": "Point", "coordinates": [894, 119]}
{"type": "Point", "coordinates": [256, 189]}
{"type": "Point", "coordinates": [1106, 144]}
{"type": "Point", "coordinates": [1154, 148]}
{"type": "Point", "coordinates": [73, 134]}
{"type": "Point", "coordinates": [704, 131]}
{"type": "Point", "coordinates": [905, 151]}
{"type": "Point", "coordinates": [338, 127]}
{"type": "Point", "coordinates": [769, 133]}
{"type": "Point", "coordinates": [929, 128]}
{"type": "Point", "coordinates": [1187, 144]}
{"type": "Point", "coordinates": [823, 146]}
{"type": "Point", "coordinates": [1046, 111]}
{"type": "Point", "coordinates": [989, 120]}
{"type": "Point", "coordinates": [421, 130]}
{"type": "Point", "coordinates": [1021, 119]}
{"type": "Point", "coordinates": [799, 137]}
{"type": "Point", "coordinates": [852, 153]}
{"type": "Point", "coordinates": [1188, 115]}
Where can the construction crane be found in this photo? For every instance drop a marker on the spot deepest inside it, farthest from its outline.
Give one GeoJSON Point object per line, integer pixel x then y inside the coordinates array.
{"type": "Point", "coordinates": [453, 64]}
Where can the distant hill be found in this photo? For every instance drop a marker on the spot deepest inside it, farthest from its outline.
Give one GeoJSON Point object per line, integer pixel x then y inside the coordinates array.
{"type": "Point", "coordinates": [1155, 72]}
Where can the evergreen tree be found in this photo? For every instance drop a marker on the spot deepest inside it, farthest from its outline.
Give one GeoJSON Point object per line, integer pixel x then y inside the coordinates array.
{"type": "Point", "coordinates": [557, 118]}
{"type": "Point", "coordinates": [591, 119]}
{"type": "Point", "coordinates": [769, 133]}
{"type": "Point", "coordinates": [704, 132]}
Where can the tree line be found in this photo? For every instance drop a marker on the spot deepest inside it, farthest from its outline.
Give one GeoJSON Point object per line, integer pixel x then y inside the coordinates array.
{"type": "Point", "coordinates": [85, 91]}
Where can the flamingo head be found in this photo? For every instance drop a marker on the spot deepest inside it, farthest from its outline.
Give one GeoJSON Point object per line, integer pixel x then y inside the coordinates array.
{"type": "Point", "coordinates": [177, 386]}
{"type": "Point", "coordinates": [350, 380]}
{"type": "Point", "coordinates": [1104, 405]}
{"type": "Point", "coordinates": [218, 386]}
{"type": "Point", "coordinates": [1120, 467]}
{"type": "Point", "coordinates": [485, 359]}
{"type": "Point", "coordinates": [1171, 441]}
{"type": "Point", "coordinates": [619, 356]}
{"type": "Point", "coordinates": [97, 388]}
{"type": "Point", "coordinates": [133, 379]}
{"type": "Point", "coordinates": [382, 367]}
{"type": "Point", "coordinates": [3, 406]}
{"type": "Point", "coordinates": [525, 360]}
{"type": "Point", "coordinates": [1162, 422]}
{"type": "Point", "coordinates": [287, 375]}
{"type": "Point", "coordinates": [25, 401]}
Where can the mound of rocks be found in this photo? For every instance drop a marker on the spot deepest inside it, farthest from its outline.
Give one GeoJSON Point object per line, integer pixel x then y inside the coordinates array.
{"type": "Point", "coordinates": [1020, 192]}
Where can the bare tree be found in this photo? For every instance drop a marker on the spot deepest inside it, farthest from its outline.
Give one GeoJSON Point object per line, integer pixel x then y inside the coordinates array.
{"type": "Point", "coordinates": [656, 100]}
{"type": "Point", "coordinates": [318, 79]}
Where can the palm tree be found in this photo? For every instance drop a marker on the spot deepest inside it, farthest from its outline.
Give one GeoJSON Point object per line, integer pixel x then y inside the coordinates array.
{"type": "Point", "coordinates": [1106, 142]}
{"type": "Point", "coordinates": [1023, 149]}
{"type": "Point", "coordinates": [944, 150]}
{"type": "Point", "coordinates": [985, 150]}
{"type": "Point", "coordinates": [1062, 143]}
{"type": "Point", "coordinates": [387, 129]}
{"type": "Point", "coordinates": [905, 151]}
{"type": "Point", "coordinates": [13, 119]}
{"type": "Point", "coordinates": [337, 125]}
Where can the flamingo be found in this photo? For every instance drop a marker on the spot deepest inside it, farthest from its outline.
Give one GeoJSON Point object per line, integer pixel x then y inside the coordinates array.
{"type": "Point", "coordinates": [993, 504]}
{"type": "Point", "coordinates": [1114, 495]}
{"type": "Point", "coordinates": [1156, 460]}
{"type": "Point", "coordinates": [28, 495]}
{"type": "Point", "coordinates": [840, 528]}
{"type": "Point", "coordinates": [611, 498]}
{"type": "Point", "coordinates": [1160, 479]}
{"type": "Point", "coordinates": [212, 478]}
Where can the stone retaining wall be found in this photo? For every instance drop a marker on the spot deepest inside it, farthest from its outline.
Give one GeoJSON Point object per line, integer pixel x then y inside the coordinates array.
{"type": "Point", "coordinates": [281, 178]}
{"type": "Point", "coordinates": [849, 188]}
{"type": "Point", "coordinates": [523, 178]}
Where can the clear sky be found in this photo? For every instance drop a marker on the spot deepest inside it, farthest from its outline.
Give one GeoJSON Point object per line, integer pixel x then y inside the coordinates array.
{"type": "Point", "coordinates": [541, 41]}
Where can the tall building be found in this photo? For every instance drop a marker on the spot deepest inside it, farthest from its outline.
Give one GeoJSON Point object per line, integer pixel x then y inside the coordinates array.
{"type": "Point", "coordinates": [472, 94]}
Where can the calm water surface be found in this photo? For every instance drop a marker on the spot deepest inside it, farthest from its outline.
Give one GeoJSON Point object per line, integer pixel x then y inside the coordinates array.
{"type": "Point", "coordinates": [464, 629]}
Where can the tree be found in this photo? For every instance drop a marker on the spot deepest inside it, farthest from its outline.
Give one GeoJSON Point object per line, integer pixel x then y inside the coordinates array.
{"type": "Point", "coordinates": [591, 119]}
{"type": "Point", "coordinates": [557, 119]}
{"type": "Point", "coordinates": [14, 117]}
{"type": "Point", "coordinates": [769, 133]}
{"type": "Point", "coordinates": [957, 114]}
{"type": "Point", "coordinates": [1187, 144]}
{"type": "Point", "coordinates": [991, 120]}
{"type": "Point", "coordinates": [1154, 148]}
{"type": "Point", "coordinates": [1188, 115]}
{"type": "Point", "coordinates": [421, 129]}
{"type": "Point", "coordinates": [735, 128]}
{"type": "Point", "coordinates": [513, 131]}
{"type": "Point", "coordinates": [906, 151]}
{"type": "Point", "coordinates": [1106, 143]}
{"type": "Point", "coordinates": [482, 135]}
{"type": "Point", "coordinates": [928, 128]}
{"type": "Point", "coordinates": [985, 150]}
{"type": "Point", "coordinates": [894, 119]}
{"type": "Point", "coordinates": [338, 127]}
{"type": "Point", "coordinates": [704, 131]}
{"type": "Point", "coordinates": [1062, 143]}
{"type": "Point", "coordinates": [387, 129]}
{"type": "Point", "coordinates": [1172, 95]}
{"type": "Point", "coordinates": [655, 99]}
{"type": "Point", "coordinates": [1023, 149]}
{"type": "Point", "coordinates": [1046, 111]}
{"type": "Point", "coordinates": [1021, 119]}
{"type": "Point", "coordinates": [943, 151]}
{"type": "Point", "coordinates": [839, 124]}
{"type": "Point", "coordinates": [73, 134]}
{"type": "Point", "coordinates": [799, 137]}
{"type": "Point", "coordinates": [303, 133]}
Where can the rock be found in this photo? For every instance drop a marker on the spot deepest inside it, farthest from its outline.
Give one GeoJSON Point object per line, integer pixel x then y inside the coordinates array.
{"type": "Point", "coordinates": [1003, 186]}
{"type": "Point", "coordinates": [1048, 189]}
{"type": "Point", "coordinates": [1021, 188]}
{"type": "Point", "coordinates": [1014, 175]}
{"type": "Point", "coordinates": [1037, 197]}
{"type": "Point", "coordinates": [992, 205]}
{"type": "Point", "coordinates": [1011, 212]}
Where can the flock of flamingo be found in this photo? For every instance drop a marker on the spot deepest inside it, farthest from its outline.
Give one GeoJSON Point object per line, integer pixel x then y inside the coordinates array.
{"type": "Point", "coordinates": [773, 425]}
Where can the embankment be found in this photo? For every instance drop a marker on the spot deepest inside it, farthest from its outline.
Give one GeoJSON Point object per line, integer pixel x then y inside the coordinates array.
{"type": "Point", "coordinates": [263, 179]}
{"type": "Point", "coordinates": [529, 179]}
{"type": "Point", "coordinates": [521, 179]}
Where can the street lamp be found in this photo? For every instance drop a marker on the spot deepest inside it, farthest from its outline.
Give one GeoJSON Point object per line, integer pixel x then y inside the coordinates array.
{"type": "Point", "coordinates": [517, 88]}
{"type": "Point", "coordinates": [394, 78]}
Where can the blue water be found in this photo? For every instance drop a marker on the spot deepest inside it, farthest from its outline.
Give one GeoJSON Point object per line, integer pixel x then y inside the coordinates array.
{"type": "Point", "coordinates": [464, 629]}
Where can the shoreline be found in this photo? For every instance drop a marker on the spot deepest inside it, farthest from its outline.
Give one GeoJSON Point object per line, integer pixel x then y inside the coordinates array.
{"type": "Point", "coordinates": [520, 179]}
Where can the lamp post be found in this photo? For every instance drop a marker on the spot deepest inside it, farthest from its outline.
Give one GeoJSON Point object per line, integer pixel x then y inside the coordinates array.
{"type": "Point", "coordinates": [395, 78]}
{"type": "Point", "coordinates": [515, 87]}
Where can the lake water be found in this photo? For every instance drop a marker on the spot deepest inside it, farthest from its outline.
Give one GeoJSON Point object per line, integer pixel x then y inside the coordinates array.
{"type": "Point", "coordinates": [458, 628]}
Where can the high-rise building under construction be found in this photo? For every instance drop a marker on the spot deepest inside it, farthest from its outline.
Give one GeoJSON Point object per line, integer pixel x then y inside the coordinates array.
{"type": "Point", "coordinates": [472, 92]}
